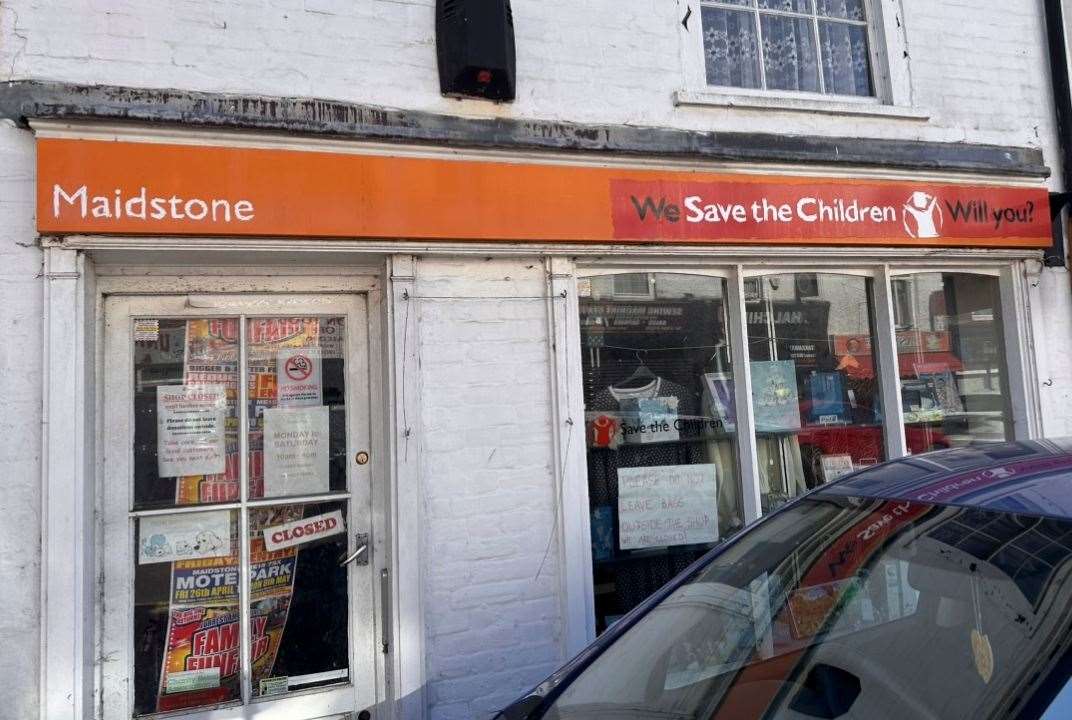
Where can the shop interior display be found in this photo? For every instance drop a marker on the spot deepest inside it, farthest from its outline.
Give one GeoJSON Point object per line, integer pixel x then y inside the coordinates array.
{"type": "Point", "coordinates": [661, 458]}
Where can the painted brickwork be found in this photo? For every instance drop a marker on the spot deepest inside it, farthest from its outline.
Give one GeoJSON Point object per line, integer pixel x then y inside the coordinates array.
{"type": "Point", "coordinates": [20, 427]}
{"type": "Point", "coordinates": [980, 68]}
{"type": "Point", "coordinates": [491, 582]}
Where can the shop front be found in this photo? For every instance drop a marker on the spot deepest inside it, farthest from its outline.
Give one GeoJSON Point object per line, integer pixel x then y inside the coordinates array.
{"type": "Point", "coordinates": [248, 331]}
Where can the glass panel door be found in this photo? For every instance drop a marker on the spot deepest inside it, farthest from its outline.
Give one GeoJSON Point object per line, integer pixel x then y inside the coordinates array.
{"type": "Point", "coordinates": [231, 446]}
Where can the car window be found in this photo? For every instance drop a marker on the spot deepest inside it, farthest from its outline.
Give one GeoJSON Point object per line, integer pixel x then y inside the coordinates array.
{"type": "Point", "coordinates": [845, 608]}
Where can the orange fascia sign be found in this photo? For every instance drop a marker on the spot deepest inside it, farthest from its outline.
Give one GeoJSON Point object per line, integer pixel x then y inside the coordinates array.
{"type": "Point", "coordinates": [131, 188]}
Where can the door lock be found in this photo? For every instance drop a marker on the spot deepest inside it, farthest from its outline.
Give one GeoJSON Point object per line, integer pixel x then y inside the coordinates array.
{"type": "Point", "coordinates": [362, 458]}
{"type": "Point", "coordinates": [360, 555]}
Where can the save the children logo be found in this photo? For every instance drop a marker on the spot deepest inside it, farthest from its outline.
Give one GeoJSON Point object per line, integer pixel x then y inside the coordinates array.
{"type": "Point", "coordinates": [828, 212]}
{"type": "Point", "coordinates": [922, 216]}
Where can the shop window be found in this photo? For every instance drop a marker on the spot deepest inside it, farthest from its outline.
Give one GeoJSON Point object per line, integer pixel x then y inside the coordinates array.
{"type": "Point", "coordinates": [204, 521]}
{"type": "Point", "coordinates": [813, 46]}
{"type": "Point", "coordinates": [951, 358]}
{"type": "Point", "coordinates": [660, 425]}
{"type": "Point", "coordinates": [815, 389]}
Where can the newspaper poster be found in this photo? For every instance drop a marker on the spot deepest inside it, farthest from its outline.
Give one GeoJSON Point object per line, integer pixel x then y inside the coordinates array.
{"type": "Point", "coordinates": [201, 664]}
{"type": "Point", "coordinates": [203, 639]}
{"type": "Point", "coordinates": [191, 422]}
{"type": "Point", "coordinates": [201, 656]}
{"type": "Point", "coordinates": [210, 357]}
{"type": "Point", "coordinates": [271, 588]}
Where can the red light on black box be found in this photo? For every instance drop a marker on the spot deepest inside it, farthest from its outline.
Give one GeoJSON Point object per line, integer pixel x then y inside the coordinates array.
{"type": "Point", "coordinates": [475, 49]}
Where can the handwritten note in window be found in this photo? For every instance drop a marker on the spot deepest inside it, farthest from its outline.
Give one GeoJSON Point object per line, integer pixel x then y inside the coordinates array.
{"type": "Point", "coordinates": [667, 505]}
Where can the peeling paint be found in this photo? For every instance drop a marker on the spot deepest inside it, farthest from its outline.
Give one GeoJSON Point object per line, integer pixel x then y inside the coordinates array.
{"type": "Point", "coordinates": [20, 100]}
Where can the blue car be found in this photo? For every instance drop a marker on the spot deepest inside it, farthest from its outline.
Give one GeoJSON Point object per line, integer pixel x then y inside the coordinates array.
{"type": "Point", "coordinates": [937, 587]}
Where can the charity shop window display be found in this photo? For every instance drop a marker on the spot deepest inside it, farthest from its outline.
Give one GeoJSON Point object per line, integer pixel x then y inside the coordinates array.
{"type": "Point", "coordinates": [190, 495]}
{"type": "Point", "coordinates": [660, 425]}
{"type": "Point", "coordinates": [815, 389]}
{"type": "Point", "coordinates": [951, 358]}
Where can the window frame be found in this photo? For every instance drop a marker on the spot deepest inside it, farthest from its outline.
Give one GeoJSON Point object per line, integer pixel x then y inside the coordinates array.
{"type": "Point", "coordinates": [887, 49]}
{"type": "Point", "coordinates": [736, 267]}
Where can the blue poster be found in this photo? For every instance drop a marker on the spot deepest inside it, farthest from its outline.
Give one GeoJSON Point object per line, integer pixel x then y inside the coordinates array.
{"type": "Point", "coordinates": [774, 396]}
{"type": "Point", "coordinates": [827, 390]}
{"type": "Point", "coordinates": [603, 533]}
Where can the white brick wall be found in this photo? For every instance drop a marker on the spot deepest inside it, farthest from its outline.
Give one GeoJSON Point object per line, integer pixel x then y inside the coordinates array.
{"type": "Point", "coordinates": [1052, 324]}
{"type": "Point", "coordinates": [20, 427]}
{"type": "Point", "coordinates": [493, 615]}
{"type": "Point", "coordinates": [979, 66]}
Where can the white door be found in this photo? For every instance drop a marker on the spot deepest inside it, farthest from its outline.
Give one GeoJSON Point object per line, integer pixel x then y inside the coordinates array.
{"type": "Point", "coordinates": [237, 508]}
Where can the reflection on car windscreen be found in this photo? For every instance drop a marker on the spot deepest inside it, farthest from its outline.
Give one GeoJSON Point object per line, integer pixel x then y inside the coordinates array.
{"type": "Point", "coordinates": [847, 608]}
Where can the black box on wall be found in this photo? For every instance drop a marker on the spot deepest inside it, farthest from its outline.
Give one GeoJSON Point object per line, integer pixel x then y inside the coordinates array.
{"type": "Point", "coordinates": [475, 48]}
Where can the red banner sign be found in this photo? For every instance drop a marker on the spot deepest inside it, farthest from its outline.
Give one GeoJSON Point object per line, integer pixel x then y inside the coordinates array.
{"type": "Point", "coordinates": [828, 211]}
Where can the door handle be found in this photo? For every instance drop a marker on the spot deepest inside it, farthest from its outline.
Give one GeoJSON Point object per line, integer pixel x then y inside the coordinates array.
{"type": "Point", "coordinates": [360, 555]}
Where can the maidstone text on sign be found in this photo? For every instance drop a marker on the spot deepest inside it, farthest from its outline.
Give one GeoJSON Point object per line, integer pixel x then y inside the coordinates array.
{"type": "Point", "coordinates": [128, 188]}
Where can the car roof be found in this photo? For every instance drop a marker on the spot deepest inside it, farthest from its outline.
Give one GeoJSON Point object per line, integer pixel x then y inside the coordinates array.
{"type": "Point", "coordinates": [1032, 477]}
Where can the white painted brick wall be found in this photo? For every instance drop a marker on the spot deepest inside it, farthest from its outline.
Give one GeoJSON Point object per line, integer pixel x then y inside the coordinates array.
{"type": "Point", "coordinates": [978, 65]}
{"type": "Point", "coordinates": [20, 427]}
{"type": "Point", "coordinates": [491, 561]}
{"type": "Point", "coordinates": [1052, 328]}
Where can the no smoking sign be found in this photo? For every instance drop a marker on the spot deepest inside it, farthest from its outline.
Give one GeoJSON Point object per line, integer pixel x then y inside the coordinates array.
{"type": "Point", "coordinates": [299, 377]}
{"type": "Point", "coordinates": [298, 368]}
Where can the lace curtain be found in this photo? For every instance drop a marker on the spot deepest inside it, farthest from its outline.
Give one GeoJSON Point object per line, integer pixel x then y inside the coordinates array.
{"type": "Point", "coordinates": [731, 49]}
{"type": "Point", "coordinates": [789, 54]}
{"type": "Point", "coordinates": [846, 60]}
{"type": "Point", "coordinates": [796, 49]}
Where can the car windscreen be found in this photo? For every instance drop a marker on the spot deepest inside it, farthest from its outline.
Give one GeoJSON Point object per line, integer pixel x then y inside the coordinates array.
{"type": "Point", "coordinates": [842, 607]}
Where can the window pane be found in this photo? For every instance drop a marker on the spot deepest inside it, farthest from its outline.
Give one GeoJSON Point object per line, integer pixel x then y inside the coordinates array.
{"type": "Point", "coordinates": [731, 50]}
{"type": "Point", "coordinates": [298, 610]}
{"type": "Point", "coordinates": [952, 362]}
{"type": "Point", "coordinates": [186, 637]}
{"type": "Point", "coordinates": [815, 388]}
{"type": "Point", "coordinates": [185, 411]}
{"type": "Point", "coordinates": [297, 411]}
{"type": "Point", "coordinates": [846, 59]}
{"type": "Point", "coordinates": [844, 9]}
{"type": "Point", "coordinates": [789, 54]}
{"type": "Point", "coordinates": [660, 422]}
{"type": "Point", "coordinates": [800, 6]}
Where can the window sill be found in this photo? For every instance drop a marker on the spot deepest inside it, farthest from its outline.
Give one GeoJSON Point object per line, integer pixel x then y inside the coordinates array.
{"type": "Point", "coordinates": [798, 104]}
